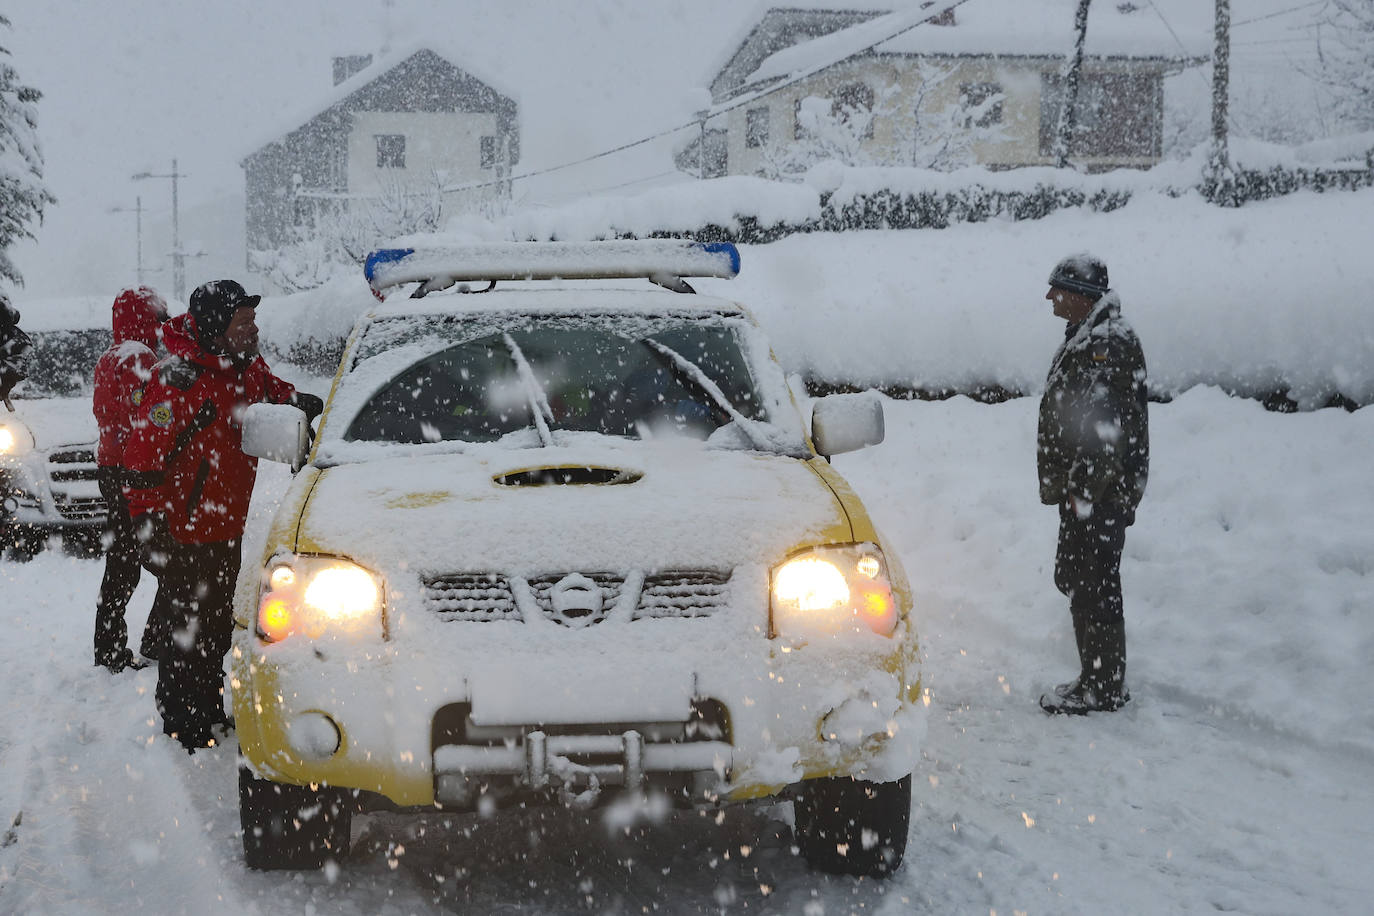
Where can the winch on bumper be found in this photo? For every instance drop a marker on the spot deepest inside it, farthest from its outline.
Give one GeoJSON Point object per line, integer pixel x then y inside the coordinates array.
{"type": "Point", "coordinates": [689, 760]}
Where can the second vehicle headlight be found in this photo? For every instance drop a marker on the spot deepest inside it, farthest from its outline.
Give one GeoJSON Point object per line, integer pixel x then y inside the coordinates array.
{"type": "Point", "coordinates": [319, 596]}
{"type": "Point", "coordinates": [15, 439]}
{"type": "Point", "coordinates": [828, 590]}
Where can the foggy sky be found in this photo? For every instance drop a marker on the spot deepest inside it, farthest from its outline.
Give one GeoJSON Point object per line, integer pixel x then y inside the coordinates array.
{"type": "Point", "coordinates": [130, 84]}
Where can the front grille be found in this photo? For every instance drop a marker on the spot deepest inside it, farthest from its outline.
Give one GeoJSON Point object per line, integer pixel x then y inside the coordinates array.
{"type": "Point", "coordinates": [543, 590]}
{"type": "Point", "coordinates": [684, 593]}
{"type": "Point", "coordinates": [477, 597]}
{"type": "Point", "coordinates": [484, 597]}
{"type": "Point", "coordinates": [75, 465]}
{"type": "Point", "coordinates": [81, 508]}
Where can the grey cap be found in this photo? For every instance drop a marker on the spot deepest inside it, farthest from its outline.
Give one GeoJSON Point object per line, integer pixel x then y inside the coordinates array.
{"type": "Point", "coordinates": [1081, 273]}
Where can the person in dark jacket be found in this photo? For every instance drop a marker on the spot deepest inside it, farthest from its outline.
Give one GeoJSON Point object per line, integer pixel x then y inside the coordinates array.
{"type": "Point", "coordinates": [1093, 457]}
{"type": "Point", "coordinates": [14, 346]}
{"type": "Point", "coordinates": [121, 374]}
{"type": "Point", "coordinates": [187, 462]}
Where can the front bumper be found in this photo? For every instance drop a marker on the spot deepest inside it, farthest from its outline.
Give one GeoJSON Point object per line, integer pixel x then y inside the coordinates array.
{"type": "Point", "coordinates": [439, 722]}
{"type": "Point", "coordinates": [53, 490]}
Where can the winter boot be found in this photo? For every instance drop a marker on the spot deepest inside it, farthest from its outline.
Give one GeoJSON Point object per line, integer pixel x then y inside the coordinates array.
{"type": "Point", "coordinates": [1082, 699]}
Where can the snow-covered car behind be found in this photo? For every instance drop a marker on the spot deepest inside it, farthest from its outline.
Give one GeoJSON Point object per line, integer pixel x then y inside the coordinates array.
{"type": "Point", "coordinates": [47, 444]}
{"type": "Point", "coordinates": [563, 542]}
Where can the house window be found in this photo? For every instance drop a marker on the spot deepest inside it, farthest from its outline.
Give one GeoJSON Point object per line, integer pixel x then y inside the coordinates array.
{"type": "Point", "coordinates": [853, 104]}
{"type": "Point", "coordinates": [1118, 114]}
{"type": "Point", "coordinates": [982, 103]}
{"type": "Point", "coordinates": [391, 151]}
{"type": "Point", "coordinates": [849, 105]}
{"type": "Point", "coordinates": [488, 152]}
{"type": "Point", "coordinates": [756, 128]}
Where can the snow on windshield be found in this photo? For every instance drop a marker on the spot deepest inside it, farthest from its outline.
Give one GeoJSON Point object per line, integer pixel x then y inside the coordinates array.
{"type": "Point", "coordinates": [516, 379]}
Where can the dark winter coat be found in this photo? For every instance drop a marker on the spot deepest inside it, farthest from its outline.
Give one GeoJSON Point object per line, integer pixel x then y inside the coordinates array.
{"type": "Point", "coordinates": [187, 459]}
{"type": "Point", "coordinates": [124, 369]}
{"type": "Point", "coordinates": [1094, 431]}
{"type": "Point", "coordinates": [14, 346]}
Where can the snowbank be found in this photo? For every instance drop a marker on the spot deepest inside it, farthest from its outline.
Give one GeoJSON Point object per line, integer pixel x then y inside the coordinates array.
{"type": "Point", "coordinates": [1269, 297]}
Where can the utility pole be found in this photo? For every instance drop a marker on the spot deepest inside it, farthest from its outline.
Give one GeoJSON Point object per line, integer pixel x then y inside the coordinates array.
{"type": "Point", "coordinates": [1068, 115]}
{"type": "Point", "coordinates": [137, 209]}
{"type": "Point", "coordinates": [178, 256]}
{"type": "Point", "coordinates": [701, 146]}
{"type": "Point", "coordinates": [1221, 89]}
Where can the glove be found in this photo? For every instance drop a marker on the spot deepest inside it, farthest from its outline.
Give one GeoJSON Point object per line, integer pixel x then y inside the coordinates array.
{"type": "Point", "coordinates": [311, 404]}
{"type": "Point", "coordinates": [203, 417]}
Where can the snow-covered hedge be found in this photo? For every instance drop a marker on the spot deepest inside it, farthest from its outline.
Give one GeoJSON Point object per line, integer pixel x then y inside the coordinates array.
{"type": "Point", "coordinates": [1269, 301]}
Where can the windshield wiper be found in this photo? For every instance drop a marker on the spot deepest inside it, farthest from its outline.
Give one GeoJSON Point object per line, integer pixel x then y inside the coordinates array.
{"type": "Point", "coordinates": [534, 393]}
{"type": "Point", "coordinates": [699, 379]}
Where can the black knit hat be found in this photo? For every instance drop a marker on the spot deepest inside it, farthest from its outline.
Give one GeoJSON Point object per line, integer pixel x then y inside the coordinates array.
{"type": "Point", "coordinates": [1081, 273]}
{"type": "Point", "coordinates": [213, 305]}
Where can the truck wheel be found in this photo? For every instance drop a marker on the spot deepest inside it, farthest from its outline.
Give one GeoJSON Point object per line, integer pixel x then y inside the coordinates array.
{"type": "Point", "coordinates": [24, 546]}
{"type": "Point", "coordinates": [853, 827]}
{"type": "Point", "coordinates": [292, 827]}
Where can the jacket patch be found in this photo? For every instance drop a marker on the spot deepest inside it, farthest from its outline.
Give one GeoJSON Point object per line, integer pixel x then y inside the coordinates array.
{"type": "Point", "coordinates": [137, 397]}
{"type": "Point", "coordinates": [160, 415]}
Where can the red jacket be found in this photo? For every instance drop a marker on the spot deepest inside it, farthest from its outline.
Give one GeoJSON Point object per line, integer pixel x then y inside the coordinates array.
{"type": "Point", "coordinates": [123, 369]}
{"type": "Point", "coordinates": [186, 456]}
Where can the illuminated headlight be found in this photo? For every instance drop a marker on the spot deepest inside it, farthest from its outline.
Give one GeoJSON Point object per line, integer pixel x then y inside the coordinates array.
{"type": "Point", "coordinates": [14, 440]}
{"type": "Point", "coordinates": [829, 590]}
{"type": "Point", "coordinates": [317, 597]}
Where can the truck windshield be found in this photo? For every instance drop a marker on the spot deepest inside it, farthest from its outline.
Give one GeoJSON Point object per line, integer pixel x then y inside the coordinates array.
{"type": "Point", "coordinates": [672, 378]}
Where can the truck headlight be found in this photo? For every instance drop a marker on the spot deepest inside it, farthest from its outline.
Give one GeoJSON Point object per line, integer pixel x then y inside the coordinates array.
{"type": "Point", "coordinates": [828, 590]}
{"type": "Point", "coordinates": [318, 596]}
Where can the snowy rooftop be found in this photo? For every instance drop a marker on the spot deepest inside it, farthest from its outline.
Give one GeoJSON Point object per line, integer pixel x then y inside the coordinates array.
{"type": "Point", "coordinates": [998, 27]}
{"type": "Point", "coordinates": [379, 66]}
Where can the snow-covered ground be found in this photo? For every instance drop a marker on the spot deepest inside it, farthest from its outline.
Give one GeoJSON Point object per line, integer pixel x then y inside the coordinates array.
{"type": "Point", "coordinates": [1240, 778]}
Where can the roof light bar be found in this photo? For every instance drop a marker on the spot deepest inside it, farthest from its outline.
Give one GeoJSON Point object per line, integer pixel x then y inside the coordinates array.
{"type": "Point", "coordinates": [651, 259]}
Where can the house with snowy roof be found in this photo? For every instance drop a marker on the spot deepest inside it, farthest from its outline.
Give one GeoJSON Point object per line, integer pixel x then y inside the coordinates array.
{"type": "Point", "coordinates": [984, 78]}
{"type": "Point", "coordinates": [412, 125]}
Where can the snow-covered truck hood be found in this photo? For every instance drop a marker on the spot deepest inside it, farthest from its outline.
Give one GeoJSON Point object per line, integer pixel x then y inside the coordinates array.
{"type": "Point", "coordinates": [54, 422]}
{"type": "Point", "coordinates": [680, 507]}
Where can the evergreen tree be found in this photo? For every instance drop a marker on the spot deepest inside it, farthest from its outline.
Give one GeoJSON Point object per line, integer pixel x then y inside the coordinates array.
{"type": "Point", "coordinates": [23, 196]}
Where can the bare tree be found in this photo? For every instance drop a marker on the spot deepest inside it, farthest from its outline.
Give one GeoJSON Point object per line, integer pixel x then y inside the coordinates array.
{"type": "Point", "coordinates": [835, 129]}
{"type": "Point", "coordinates": [1345, 44]}
{"type": "Point", "coordinates": [341, 235]}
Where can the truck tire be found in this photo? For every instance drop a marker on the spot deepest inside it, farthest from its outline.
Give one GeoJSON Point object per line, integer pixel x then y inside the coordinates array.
{"type": "Point", "coordinates": [853, 827]}
{"type": "Point", "coordinates": [292, 827]}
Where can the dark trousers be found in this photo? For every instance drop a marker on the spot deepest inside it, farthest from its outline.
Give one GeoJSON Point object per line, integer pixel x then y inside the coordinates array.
{"type": "Point", "coordinates": [190, 677]}
{"type": "Point", "coordinates": [1087, 569]}
{"type": "Point", "coordinates": [155, 549]}
{"type": "Point", "coordinates": [123, 569]}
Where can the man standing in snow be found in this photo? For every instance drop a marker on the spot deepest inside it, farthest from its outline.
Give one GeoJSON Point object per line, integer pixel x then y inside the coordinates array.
{"type": "Point", "coordinates": [121, 374]}
{"type": "Point", "coordinates": [187, 461]}
{"type": "Point", "coordinates": [1093, 456]}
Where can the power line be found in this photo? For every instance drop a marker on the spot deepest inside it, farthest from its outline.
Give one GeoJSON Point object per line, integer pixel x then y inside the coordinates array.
{"type": "Point", "coordinates": [743, 100]}
{"type": "Point", "coordinates": [1292, 9]}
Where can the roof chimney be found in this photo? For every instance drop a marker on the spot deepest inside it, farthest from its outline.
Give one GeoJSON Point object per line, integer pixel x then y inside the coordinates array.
{"type": "Point", "coordinates": [346, 66]}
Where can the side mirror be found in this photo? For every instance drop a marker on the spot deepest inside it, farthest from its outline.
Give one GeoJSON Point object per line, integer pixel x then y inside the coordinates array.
{"type": "Point", "coordinates": [277, 432]}
{"type": "Point", "coordinates": [846, 423]}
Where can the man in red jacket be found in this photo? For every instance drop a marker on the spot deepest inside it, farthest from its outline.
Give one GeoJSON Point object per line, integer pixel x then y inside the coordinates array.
{"type": "Point", "coordinates": [120, 376]}
{"type": "Point", "coordinates": [187, 461]}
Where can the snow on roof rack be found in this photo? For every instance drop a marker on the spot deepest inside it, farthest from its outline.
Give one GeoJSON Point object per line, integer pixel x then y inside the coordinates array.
{"type": "Point", "coordinates": [664, 261]}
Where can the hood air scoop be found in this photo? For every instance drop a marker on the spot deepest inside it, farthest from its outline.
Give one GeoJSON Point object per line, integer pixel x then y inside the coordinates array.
{"type": "Point", "coordinates": [563, 476]}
